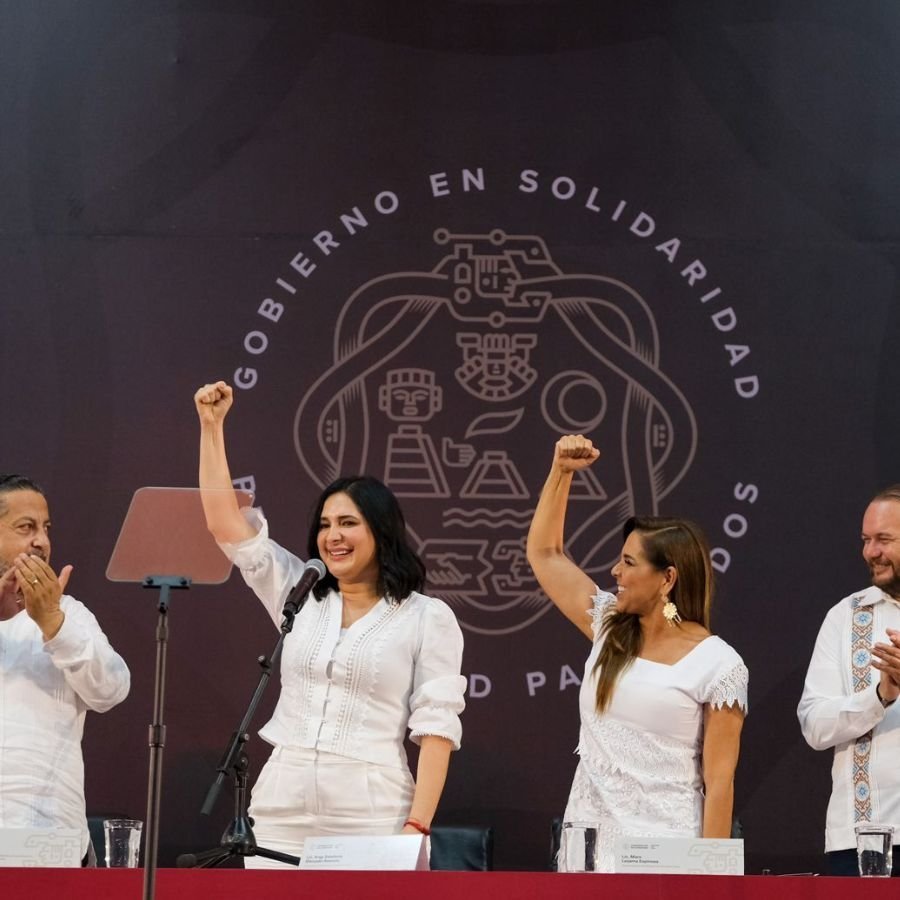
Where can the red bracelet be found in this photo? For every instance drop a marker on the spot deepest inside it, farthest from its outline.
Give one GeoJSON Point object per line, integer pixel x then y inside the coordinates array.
{"type": "Point", "coordinates": [418, 826]}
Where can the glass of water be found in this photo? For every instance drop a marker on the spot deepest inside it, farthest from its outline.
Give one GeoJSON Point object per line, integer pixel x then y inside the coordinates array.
{"type": "Point", "coordinates": [578, 848]}
{"type": "Point", "coordinates": [123, 842]}
{"type": "Point", "coordinates": [874, 850]}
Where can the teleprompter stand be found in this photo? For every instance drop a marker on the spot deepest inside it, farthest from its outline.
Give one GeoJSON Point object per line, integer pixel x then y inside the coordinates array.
{"type": "Point", "coordinates": [157, 736]}
{"type": "Point", "coordinates": [164, 531]}
{"type": "Point", "coordinates": [238, 839]}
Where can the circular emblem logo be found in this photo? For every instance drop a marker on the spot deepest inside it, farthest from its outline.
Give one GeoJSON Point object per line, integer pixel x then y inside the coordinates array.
{"type": "Point", "coordinates": [451, 383]}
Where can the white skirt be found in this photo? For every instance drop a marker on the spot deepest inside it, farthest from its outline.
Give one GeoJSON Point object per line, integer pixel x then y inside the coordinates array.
{"type": "Point", "coordinates": [301, 793]}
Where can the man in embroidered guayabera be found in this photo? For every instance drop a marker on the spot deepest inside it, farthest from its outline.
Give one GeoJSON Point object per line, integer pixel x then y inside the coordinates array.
{"type": "Point", "coordinates": [55, 665]}
{"type": "Point", "coordinates": [663, 700]}
{"type": "Point", "coordinates": [849, 698]}
{"type": "Point", "coordinates": [369, 659]}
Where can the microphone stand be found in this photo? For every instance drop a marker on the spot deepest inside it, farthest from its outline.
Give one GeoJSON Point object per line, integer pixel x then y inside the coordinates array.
{"type": "Point", "coordinates": [238, 839]}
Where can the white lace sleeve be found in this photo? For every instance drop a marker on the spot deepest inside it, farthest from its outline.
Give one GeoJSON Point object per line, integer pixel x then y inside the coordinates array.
{"type": "Point", "coordinates": [729, 688]}
{"type": "Point", "coordinates": [267, 567]}
{"type": "Point", "coordinates": [603, 604]}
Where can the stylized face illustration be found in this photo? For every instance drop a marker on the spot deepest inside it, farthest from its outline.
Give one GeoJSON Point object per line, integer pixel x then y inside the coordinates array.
{"type": "Point", "coordinates": [410, 396]}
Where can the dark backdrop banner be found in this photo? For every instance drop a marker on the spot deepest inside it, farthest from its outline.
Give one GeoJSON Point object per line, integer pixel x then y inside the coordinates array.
{"type": "Point", "coordinates": [422, 240]}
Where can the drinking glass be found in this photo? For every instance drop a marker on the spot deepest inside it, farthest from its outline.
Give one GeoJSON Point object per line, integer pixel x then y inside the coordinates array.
{"type": "Point", "coordinates": [578, 847]}
{"type": "Point", "coordinates": [874, 850]}
{"type": "Point", "coordinates": [123, 842]}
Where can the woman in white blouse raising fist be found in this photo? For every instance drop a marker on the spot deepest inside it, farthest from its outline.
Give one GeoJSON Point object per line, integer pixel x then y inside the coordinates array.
{"type": "Point", "coordinates": [368, 658]}
{"type": "Point", "coordinates": [662, 701]}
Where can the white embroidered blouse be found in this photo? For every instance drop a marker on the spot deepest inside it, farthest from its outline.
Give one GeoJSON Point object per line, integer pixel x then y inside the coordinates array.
{"type": "Point", "coordinates": [46, 687]}
{"type": "Point", "coordinates": [356, 693]}
{"type": "Point", "coordinates": [639, 772]}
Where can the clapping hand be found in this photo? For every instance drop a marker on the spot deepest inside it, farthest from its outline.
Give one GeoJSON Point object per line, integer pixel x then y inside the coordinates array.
{"type": "Point", "coordinates": [41, 589]}
{"type": "Point", "coordinates": [886, 658]}
{"type": "Point", "coordinates": [10, 599]}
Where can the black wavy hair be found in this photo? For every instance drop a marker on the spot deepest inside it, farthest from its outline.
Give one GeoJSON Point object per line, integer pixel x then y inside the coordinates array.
{"type": "Point", "coordinates": [400, 569]}
{"type": "Point", "coordinates": [9, 483]}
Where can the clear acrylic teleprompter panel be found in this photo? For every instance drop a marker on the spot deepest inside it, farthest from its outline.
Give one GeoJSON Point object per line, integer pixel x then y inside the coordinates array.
{"type": "Point", "coordinates": [164, 533]}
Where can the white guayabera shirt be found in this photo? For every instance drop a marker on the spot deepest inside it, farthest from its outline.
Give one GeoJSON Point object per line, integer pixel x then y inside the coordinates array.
{"type": "Point", "coordinates": [45, 690]}
{"type": "Point", "coordinates": [840, 709]}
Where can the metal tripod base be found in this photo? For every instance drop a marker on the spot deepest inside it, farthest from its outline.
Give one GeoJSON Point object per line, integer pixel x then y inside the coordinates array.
{"type": "Point", "coordinates": [238, 839]}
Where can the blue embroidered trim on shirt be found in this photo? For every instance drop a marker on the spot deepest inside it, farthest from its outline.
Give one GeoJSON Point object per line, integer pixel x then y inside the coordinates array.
{"type": "Point", "coordinates": [861, 622]}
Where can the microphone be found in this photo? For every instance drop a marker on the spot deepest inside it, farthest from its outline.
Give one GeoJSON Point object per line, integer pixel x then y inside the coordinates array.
{"type": "Point", "coordinates": [312, 572]}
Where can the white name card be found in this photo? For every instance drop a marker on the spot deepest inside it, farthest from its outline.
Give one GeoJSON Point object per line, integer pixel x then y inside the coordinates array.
{"type": "Point", "coordinates": [399, 852]}
{"type": "Point", "coordinates": [684, 856]}
{"type": "Point", "coordinates": [34, 847]}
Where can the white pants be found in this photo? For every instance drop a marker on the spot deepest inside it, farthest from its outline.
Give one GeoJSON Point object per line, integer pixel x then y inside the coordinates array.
{"type": "Point", "coordinates": [301, 793]}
